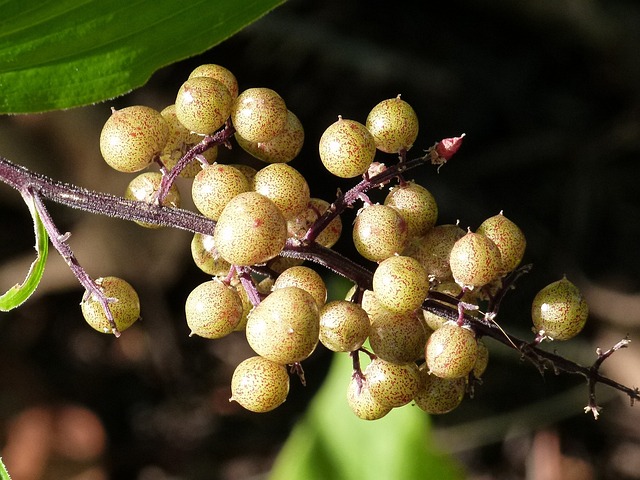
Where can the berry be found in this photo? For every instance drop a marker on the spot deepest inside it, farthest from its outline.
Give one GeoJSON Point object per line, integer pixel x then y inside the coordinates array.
{"type": "Point", "coordinates": [206, 256]}
{"type": "Point", "coordinates": [390, 384]}
{"type": "Point", "coordinates": [250, 230]}
{"type": "Point", "coordinates": [259, 114]}
{"type": "Point", "coordinates": [305, 278]}
{"type": "Point", "coordinates": [347, 148]}
{"type": "Point", "coordinates": [508, 238]}
{"type": "Point", "coordinates": [259, 385]}
{"type": "Point", "coordinates": [393, 124]}
{"type": "Point", "coordinates": [213, 309]}
{"type": "Point", "coordinates": [214, 186]}
{"type": "Point", "coordinates": [132, 137]}
{"type": "Point", "coordinates": [362, 403]}
{"type": "Point", "coordinates": [217, 72]}
{"type": "Point", "coordinates": [482, 361]}
{"type": "Point", "coordinates": [559, 311]}
{"type": "Point", "coordinates": [433, 320]}
{"type": "Point", "coordinates": [282, 148]}
{"type": "Point", "coordinates": [344, 326]}
{"type": "Point", "coordinates": [203, 104]}
{"type": "Point", "coordinates": [379, 232]}
{"type": "Point", "coordinates": [439, 395]}
{"type": "Point", "coordinates": [451, 351]}
{"type": "Point", "coordinates": [434, 249]}
{"type": "Point", "coordinates": [475, 260]}
{"type": "Point", "coordinates": [144, 187]}
{"type": "Point", "coordinates": [416, 205]}
{"type": "Point", "coordinates": [298, 225]}
{"type": "Point", "coordinates": [400, 283]}
{"type": "Point", "coordinates": [125, 307]}
{"type": "Point", "coordinates": [285, 326]}
{"type": "Point", "coordinates": [397, 337]}
{"type": "Point", "coordinates": [283, 185]}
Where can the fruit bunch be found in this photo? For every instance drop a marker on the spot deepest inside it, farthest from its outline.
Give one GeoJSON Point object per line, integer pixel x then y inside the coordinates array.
{"type": "Point", "coordinates": [415, 316]}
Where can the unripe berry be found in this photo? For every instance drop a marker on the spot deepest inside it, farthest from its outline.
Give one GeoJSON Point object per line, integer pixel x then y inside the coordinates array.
{"type": "Point", "coordinates": [259, 385]}
{"type": "Point", "coordinates": [250, 230]}
{"type": "Point", "coordinates": [144, 187]}
{"type": "Point", "coordinates": [283, 185]}
{"type": "Point", "coordinates": [347, 148]}
{"type": "Point", "coordinates": [451, 351]}
{"type": "Point", "coordinates": [390, 384]}
{"type": "Point", "coordinates": [220, 73]}
{"type": "Point", "coordinates": [508, 238]}
{"type": "Point", "coordinates": [282, 148]}
{"type": "Point", "coordinates": [393, 124]}
{"type": "Point", "coordinates": [259, 114]}
{"type": "Point", "coordinates": [203, 104]}
{"type": "Point", "coordinates": [132, 137]}
{"type": "Point", "coordinates": [125, 310]}
{"type": "Point", "coordinates": [305, 278]}
{"type": "Point", "coordinates": [214, 186]}
{"type": "Point", "coordinates": [400, 283]}
{"type": "Point", "coordinates": [475, 260]}
{"type": "Point", "coordinates": [206, 257]}
{"type": "Point", "coordinates": [379, 232]}
{"type": "Point", "coordinates": [362, 403]}
{"type": "Point", "coordinates": [213, 309]}
{"type": "Point", "coordinates": [559, 311]}
{"type": "Point", "coordinates": [434, 249]}
{"type": "Point", "coordinates": [344, 326]}
{"type": "Point", "coordinates": [416, 205]}
{"type": "Point", "coordinates": [439, 395]}
{"type": "Point", "coordinates": [285, 326]}
{"type": "Point", "coordinates": [298, 225]}
{"type": "Point", "coordinates": [397, 337]}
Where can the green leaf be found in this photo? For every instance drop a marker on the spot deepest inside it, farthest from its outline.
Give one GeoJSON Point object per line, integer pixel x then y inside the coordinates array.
{"type": "Point", "coordinates": [19, 293]}
{"type": "Point", "coordinates": [57, 54]}
{"type": "Point", "coordinates": [331, 442]}
{"type": "Point", "coordinates": [4, 475]}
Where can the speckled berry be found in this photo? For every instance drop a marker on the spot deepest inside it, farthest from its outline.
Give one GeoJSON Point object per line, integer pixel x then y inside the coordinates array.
{"type": "Point", "coordinates": [475, 260]}
{"type": "Point", "coordinates": [559, 311]}
{"type": "Point", "coordinates": [144, 187]}
{"type": "Point", "coordinates": [125, 309]}
{"type": "Point", "coordinates": [434, 248]}
{"type": "Point", "coordinates": [508, 238]}
{"type": "Point", "coordinates": [379, 232]}
{"type": "Point", "coordinates": [363, 405]}
{"type": "Point", "coordinates": [132, 137]}
{"type": "Point", "coordinates": [416, 205]}
{"type": "Point", "coordinates": [214, 186]}
{"type": "Point", "coordinates": [259, 385]}
{"type": "Point", "coordinates": [482, 361]}
{"type": "Point", "coordinates": [206, 257]}
{"type": "Point", "coordinates": [220, 73]}
{"type": "Point", "coordinates": [259, 114]}
{"type": "Point", "coordinates": [213, 309]}
{"type": "Point", "coordinates": [439, 395]}
{"type": "Point", "coordinates": [390, 384]}
{"type": "Point", "coordinates": [397, 337]}
{"type": "Point", "coordinates": [393, 124]}
{"type": "Point", "coordinates": [203, 104]}
{"type": "Point", "coordinates": [347, 148]}
{"type": "Point", "coordinates": [285, 326]}
{"type": "Point", "coordinates": [282, 148]}
{"type": "Point", "coordinates": [285, 186]}
{"type": "Point", "coordinates": [433, 320]}
{"type": "Point", "coordinates": [451, 351]}
{"type": "Point", "coordinates": [344, 326]}
{"type": "Point", "coordinates": [250, 230]}
{"type": "Point", "coordinates": [305, 278]}
{"type": "Point", "coordinates": [298, 225]}
{"type": "Point", "coordinates": [401, 283]}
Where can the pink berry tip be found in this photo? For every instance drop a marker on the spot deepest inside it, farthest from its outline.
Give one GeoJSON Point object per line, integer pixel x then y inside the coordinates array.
{"type": "Point", "coordinates": [447, 147]}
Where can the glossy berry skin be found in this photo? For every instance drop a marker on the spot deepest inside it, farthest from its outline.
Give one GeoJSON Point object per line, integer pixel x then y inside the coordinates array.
{"type": "Point", "coordinates": [285, 326]}
{"type": "Point", "coordinates": [397, 337]}
{"type": "Point", "coordinates": [250, 230]}
{"type": "Point", "coordinates": [143, 188]}
{"type": "Point", "coordinates": [259, 385]}
{"type": "Point", "coordinates": [285, 186]}
{"type": "Point", "coordinates": [125, 310]}
{"type": "Point", "coordinates": [203, 104]}
{"type": "Point", "coordinates": [451, 351]}
{"type": "Point", "coordinates": [390, 384]}
{"type": "Point", "coordinates": [475, 260]}
{"type": "Point", "coordinates": [344, 326]}
{"type": "Point", "coordinates": [433, 250]}
{"type": "Point", "coordinates": [417, 206]}
{"type": "Point", "coordinates": [220, 73]}
{"type": "Point", "coordinates": [559, 311]}
{"type": "Point", "coordinates": [214, 186]}
{"type": "Point", "coordinates": [508, 238]}
{"type": "Point", "coordinates": [439, 395]}
{"type": "Point", "coordinates": [259, 114]}
{"type": "Point", "coordinates": [379, 232]}
{"type": "Point", "coordinates": [213, 309]}
{"type": "Point", "coordinates": [362, 403]}
{"type": "Point", "coordinates": [401, 283]}
{"type": "Point", "coordinates": [393, 124]}
{"type": "Point", "coordinates": [305, 278]}
{"type": "Point", "coordinates": [347, 148]}
{"type": "Point", "coordinates": [132, 137]}
{"type": "Point", "coordinates": [206, 257]}
{"type": "Point", "coordinates": [298, 225]}
{"type": "Point", "coordinates": [282, 148]}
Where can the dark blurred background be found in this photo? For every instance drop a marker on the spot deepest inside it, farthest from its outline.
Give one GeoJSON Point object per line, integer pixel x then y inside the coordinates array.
{"type": "Point", "coordinates": [548, 93]}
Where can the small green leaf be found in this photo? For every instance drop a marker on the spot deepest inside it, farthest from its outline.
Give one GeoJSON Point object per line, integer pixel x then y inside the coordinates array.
{"type": "Point", "coordinates": [19, 293]}
{"type": "Point", "coordinates": [4, 475]}
{"type": "Point", "coordinates": [331, 442]}
{"type": "Point", "coordinates": [67, 53]}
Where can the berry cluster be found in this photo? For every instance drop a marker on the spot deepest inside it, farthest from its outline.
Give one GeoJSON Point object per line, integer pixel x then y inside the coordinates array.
{"type": "Point", "coordinates": [415, 316]}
